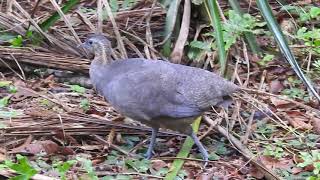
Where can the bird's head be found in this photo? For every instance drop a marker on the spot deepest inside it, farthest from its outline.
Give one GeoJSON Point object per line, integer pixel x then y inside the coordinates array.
{"type": "Point", "coordinates": [97, 45]}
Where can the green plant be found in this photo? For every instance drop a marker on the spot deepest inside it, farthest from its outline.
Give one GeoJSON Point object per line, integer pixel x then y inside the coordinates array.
{"type": "Point", "coordinates": [4, 101]}
{"type": "Point", "coordinates": [316, 65]}
{"type": "Point", "coordinates": [5, 83]}
{"type": "Point", "coordinates": [22, 167]}
{"type": "Point", "coordinates": [87, 165]}
{"type": "Point", "coordinates": [138, 165]}
{"type": "Point", "coordinates": [237, 25]}
{"type": "Point", "coordinates": [17, 41]}
{"type": "Point", "coordinates": [63, 168]}
{"type": "Point", "coordinates": [275, 150]}
{"type": "Point", "coordinates": [77, 88]}
{"type": "Point", "coordinates": [267, 58]}
{"type": "Point", "coordinates": [85, 104]}
{"type": "Point", "coordinates": [10, 114]}
{"type": "Point", "coordinates": [313, 159]}
{"type": "Point", "coordinates": [311, 38]}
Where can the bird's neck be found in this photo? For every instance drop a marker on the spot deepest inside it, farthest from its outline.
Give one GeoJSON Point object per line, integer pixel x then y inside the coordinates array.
{"type": "Point", "coordinates": [102, 58]}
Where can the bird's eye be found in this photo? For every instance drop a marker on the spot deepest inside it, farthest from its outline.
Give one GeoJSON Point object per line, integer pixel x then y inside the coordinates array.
{"type": "Point", "coordinates": [90, 42]}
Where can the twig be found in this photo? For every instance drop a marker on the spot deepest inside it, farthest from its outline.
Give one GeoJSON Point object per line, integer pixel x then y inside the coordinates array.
{"type": "Point", "coordinates": [244, 151]}
{"type": "Point", "coordinates": [113, 146]}
{"type": "Point", "coordinates": [177, 52]}
{"type": "Point", "coordinates": [66, 20]}
{"type": "Point", "coordinates": [116, 30]}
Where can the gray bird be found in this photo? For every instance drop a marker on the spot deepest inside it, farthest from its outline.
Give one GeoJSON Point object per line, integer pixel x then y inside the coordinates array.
{"type": "Point", "coordinates": [157, 93]}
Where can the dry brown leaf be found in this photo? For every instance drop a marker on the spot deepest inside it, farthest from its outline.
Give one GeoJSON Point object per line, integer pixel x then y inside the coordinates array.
{"type": "Point", "coordinates": [272, 163]}
{"type": "Point", "coordinates": [275, 86]}
{"type": "Point", "coordinates": [3, 157]}
{"type": "Point", "coordinates": [279, 103]}
{"type": "Point", "coordinates": [316, 124]}
{"type": "Point", "coordinates": [298, 123]}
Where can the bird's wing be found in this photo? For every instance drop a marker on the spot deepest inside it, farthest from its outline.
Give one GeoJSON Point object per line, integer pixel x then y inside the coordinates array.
{"type": "Point", "coordinates": [152, 91]}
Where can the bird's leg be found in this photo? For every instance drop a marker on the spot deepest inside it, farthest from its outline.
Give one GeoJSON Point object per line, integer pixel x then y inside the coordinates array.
{"type": "Point", "coordinates": [148, 155]}
{"type": "Point", "coordinates": [203, 151]}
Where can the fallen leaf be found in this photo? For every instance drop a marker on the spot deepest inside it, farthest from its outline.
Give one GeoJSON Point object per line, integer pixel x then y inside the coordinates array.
{"type": "Point", "coordinates": [316, 124]}
{"type": "Point", "coordinates": [272, 163]}
{"type": "Point", "coordinates": [275, 86]}
{"type": "Point", "coordinates": [280, 103]}
{"type": "Point", "coordinates": [298, 123]}
{"type": "Point", "coordinates": [158, 164]}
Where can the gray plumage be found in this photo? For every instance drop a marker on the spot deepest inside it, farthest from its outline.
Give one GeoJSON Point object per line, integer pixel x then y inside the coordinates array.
{"type": "Point", "coordinates": [157, 93]}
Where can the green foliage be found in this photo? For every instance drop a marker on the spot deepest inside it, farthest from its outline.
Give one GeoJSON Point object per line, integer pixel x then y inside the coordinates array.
{"type": "Point", "coordinates": [87, 165]}
{"type": "Point", "coordinates": [4, 102]}
{"type": "Point", "coordinates": [313, 159]}
{"type": "Point", "coordinates": [63, 168]}
{"type": "Point", "coordinates": [181, 175]}
{"type": "Point", "coordinates": [17, 41]}
{"type": "Point", "coordinates": [10, 114]}
{"type": "Point", "coordinates": [22, 167]}
{"type": "Point", "coordinates": [12, 89]}
{"type": "Point", "coordinates": [305, 14]}
{"type": "Point", "coordinates": [141, 166]}
{"type": "Point", "coordinates": [114, 5]}
{"type": "Point", "coordinates": [311, 38]}
{"type": "Point", "coordinates": [213, 156]}
{"type": "Point", "coordinates": [295, 92]}
{"type": "Point", "coordinates": [237, 25]}
{"type": "Point", "coordinates": [197, 48]}
{"type": "Point", "coordinates": [275, 151]}
{"type": "Point", "coordinates": [265, 129]}
{"type": "Point", "coordinates": [55, 16]}
{"type": "Point", "coordinates": [8, 85]}
{"type": "Point", "coordinates": [45, 102]}
{"type": "Point", "coordinates": [267, 58]}
{"type": "Point", "coordinates": [128, 4]}
{"type": "Point", "coordinates": [5, 83]}
{"type": "Point", "coordinates": [85, 104]}
{"type": "Point", "coordinates": [78, 89]}
{"type": "Point", "coordinates": [118, 177]}
{"type": "Point", "coordinates": [316, 65]}
{"type": "Point", "coordinates": [233, 29]}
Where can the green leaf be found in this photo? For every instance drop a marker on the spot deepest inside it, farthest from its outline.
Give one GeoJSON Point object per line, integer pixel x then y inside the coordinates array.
{"type": "Point", "coordinates": [23, 168]}
{"type": "Point", "coordinates": [197, 2]}
{"type": "Point", "coordinates": [85, 104]}
{"type": "Point", "coordinates": [5, 83]}
{"type": "Point", "coordinates": [64, 167]}
{"type": "Point", "coordinates": [55, 16]}
{"type": "Point", "coordinates": [216, 24]}
{"type": "Point", "coordinates": [10, 114]}
{"type": "Point", "coordinates": [17, 41]}
{"type": "Point", "coordinates": [78, 89]}
{"type": "Point", "coordinates": [4, 102]}
{"type": "Point", "coordinates": [171, 18]}
{"type": "Point", "coordinates": [201, 45]}
{"type": "Point", "coordinates": [140, 166]}
{"type": "Point", "coordinates": [314, 12]}
{"type": "Point", "coordinates": [114, 5]}
{"type": "Point", "coordinates": [183, 153]}
{"type": "Point", "coordinates": [87, 165]}
{"type": "Point", "coordinates": [5, 37]}
{"type": "Point", "coordinates": [128, 4]}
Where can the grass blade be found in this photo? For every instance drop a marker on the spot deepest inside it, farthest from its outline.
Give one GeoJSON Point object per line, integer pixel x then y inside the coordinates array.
{"type": "Point", "coordinates": [282, 42]}
{"type": "Point", "coordinates": [183, 153]}
{"type": "Point", "coordinates": [216, 24]}
{"type": "Point", "coordinates": [55, 17]}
